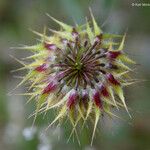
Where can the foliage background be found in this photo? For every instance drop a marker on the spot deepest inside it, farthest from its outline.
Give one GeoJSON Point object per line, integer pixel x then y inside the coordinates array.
{"type": "Point", "coordinates": [17, 16]}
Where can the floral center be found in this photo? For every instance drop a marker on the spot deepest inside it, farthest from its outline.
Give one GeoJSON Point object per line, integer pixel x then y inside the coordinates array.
{"type": "Point", "coordinates": [78, 66]}
{"type": "Point", "coordinates": [79, 62]}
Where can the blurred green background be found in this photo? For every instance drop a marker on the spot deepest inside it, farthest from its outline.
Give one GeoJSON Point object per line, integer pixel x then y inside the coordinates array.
{"type": "Point", "coordinates": [115, 16]}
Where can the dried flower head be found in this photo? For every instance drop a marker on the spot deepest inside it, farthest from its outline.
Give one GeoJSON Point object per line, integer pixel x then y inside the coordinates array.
{"type": "Point", "coordinates": [79, 71]}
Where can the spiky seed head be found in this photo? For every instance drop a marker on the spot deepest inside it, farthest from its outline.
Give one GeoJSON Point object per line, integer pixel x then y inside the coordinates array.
{"type": "Point", "coordinates": [77, 70]}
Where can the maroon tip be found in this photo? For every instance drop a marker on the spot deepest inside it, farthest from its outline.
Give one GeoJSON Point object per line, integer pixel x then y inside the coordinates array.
{"type": "Point", "coordinates": [42, 67]}
{"type": "Point", "coordinates": [97, 99]}
{"type": "Point", "coordinates": [111, 79]}
{"type": "Point", "coordinates": [50, 87]}
{"type": "Point", "coordinates": [113, 54]}
{"type": "Point", "coordinates": [72, 99]}
{"type": "Point", "coordinates": [103, 90]}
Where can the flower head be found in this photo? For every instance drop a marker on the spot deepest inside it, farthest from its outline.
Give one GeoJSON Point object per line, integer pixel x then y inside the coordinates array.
{"type": "Point", "coordinates": [78, 70]}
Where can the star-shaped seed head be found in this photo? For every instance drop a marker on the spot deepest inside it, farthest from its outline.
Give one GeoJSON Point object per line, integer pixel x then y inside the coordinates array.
{"type": "Point", "coordinates": [78, 71]}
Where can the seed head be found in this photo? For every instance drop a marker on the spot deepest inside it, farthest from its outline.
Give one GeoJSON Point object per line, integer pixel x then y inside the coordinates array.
{"type": "Point", "coordinates": [78, 71]}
